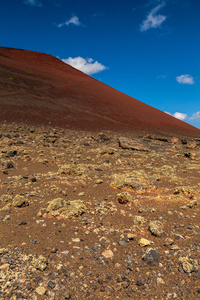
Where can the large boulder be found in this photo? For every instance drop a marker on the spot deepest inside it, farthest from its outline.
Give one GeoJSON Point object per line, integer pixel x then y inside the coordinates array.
{"type": "Point", "coordinates": [133, 144]}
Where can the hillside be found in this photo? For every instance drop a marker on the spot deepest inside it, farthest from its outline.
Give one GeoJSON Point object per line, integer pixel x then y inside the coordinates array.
{"type": "Point", "coordinates": [37, 88]}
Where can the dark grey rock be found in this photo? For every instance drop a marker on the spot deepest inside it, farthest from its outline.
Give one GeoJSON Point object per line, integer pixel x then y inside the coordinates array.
{"type": "Point", "coordinates": [33, 241]}
{"type": "Point", "coordinates": [9, 164]}
{"type": "Point", "coordinates": [11, 153]}
{"type": "Point", "coordinates": [140, 282]}
{"type": "Point", "coordinates": [51, 284]}
{"type": "Point", "coordinates": [33, 179]}
{"type": "Point", "coordinates": [22, 223]}
{"type": "Point", "coordinates": [151, 257]}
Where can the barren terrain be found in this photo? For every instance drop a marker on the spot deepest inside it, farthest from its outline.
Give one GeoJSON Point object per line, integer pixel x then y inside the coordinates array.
{"type": "Point", "coordinates": [99, 192]}
{"type": "Point", "coordinates": [98, 216]}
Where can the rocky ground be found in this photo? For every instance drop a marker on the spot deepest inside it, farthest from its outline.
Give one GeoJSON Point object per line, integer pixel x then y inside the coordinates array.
{"type": "Point", "coordinates": [98, 215]}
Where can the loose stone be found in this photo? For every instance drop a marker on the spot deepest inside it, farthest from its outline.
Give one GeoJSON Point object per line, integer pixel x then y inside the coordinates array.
{"type": "Point", "coordinates": [156, 228]}
{"type": "Point", "coordinates": [151, 257]}
{"type": "Point", "coordinates": [40, 290]}
{"type": "Point", "coordinates": [108, 254]}
{"type": "Point", "coordinates": [144, 242]}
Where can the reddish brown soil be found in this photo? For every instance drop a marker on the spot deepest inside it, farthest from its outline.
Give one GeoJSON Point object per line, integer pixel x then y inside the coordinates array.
{"type": "Point", "coordinates": [78, 147]}
{"type": "Point", "coordinates": [42, 164]}
{"type": "Point", "coordinates": [38, 88]}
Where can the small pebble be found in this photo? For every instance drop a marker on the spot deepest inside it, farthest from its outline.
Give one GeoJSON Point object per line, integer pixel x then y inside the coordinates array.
{"type": "Point", "coordinates": [22, 223]}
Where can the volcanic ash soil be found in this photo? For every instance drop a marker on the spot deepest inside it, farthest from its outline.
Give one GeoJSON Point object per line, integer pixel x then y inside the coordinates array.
{"type": "Point", "coordinates": [98, 215]}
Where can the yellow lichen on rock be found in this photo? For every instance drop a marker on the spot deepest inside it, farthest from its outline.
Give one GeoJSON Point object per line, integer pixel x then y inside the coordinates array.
{"type": "Point", "coordinates": [56, 204]}
{"type": "Point", "coordinates": [19, 201]}
{"type": "Point", "coordinates": [69, 209]}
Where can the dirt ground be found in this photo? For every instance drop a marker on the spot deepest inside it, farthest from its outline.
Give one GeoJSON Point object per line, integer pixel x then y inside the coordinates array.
{"type": "Point", "coordinates": [98, 215]}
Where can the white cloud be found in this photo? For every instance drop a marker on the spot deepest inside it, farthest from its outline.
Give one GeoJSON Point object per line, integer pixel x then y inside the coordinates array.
{"type": "Point", "coordinates": [178, 115]}
{"type": "Point", "coordinates": [182, 116]}
{"type": "Point", "coordinates": [88, 66]}
{"type": "Point", "coordinates": [185, 79]}
{"type": "Point", "coordinates": [33, 2]}
{"type": "Point", "coordinates": [195, 116]}
{"type": "Point", "coordinates": [153, 20]}
{"type": "Point", "coordinates": [73, 20]}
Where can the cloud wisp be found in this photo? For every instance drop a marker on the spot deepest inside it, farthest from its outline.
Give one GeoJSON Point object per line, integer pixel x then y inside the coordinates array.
{"type": "Point", "coordinates": [73, 20]}
{"type": "Point", "coordinates": [195, 116]}
{"type": "Point", "coordinates": [33, 2]}
{"type": "Point", "coordinates": [153, 19]}
{"type": "Point", "coordinates": [87, 66]}
{"type": "Point", "coordinates": [161, 76]}
{"type": "Point", "coordinates": [178, 115]}
{"type": "Point", "coordinates": [185, 79]}
{"type": "Point", "coordinates": [182, 116]}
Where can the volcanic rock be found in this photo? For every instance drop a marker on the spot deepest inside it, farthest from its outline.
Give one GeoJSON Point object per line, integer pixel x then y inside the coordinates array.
{"type": "Point", "coordinates": [19, 201]}
{"type": "Point", "coordinates": [151, 257]}
{"type": "Point", "coordinates": [156, 228]}
{"type": "Point", "coordinates": [126, 143]}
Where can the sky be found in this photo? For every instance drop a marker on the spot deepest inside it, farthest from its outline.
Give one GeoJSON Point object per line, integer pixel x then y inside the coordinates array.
{"type": "Point", "coordinates": [148, 49]}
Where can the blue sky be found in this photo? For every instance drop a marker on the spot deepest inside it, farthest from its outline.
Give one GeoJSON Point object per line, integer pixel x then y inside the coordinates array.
{"type": "Point", "coordinates": [148, 49]}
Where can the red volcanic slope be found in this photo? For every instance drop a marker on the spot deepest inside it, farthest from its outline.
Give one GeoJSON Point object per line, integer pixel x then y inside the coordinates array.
{"type": "Point", "coordinates": [38, 88]}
